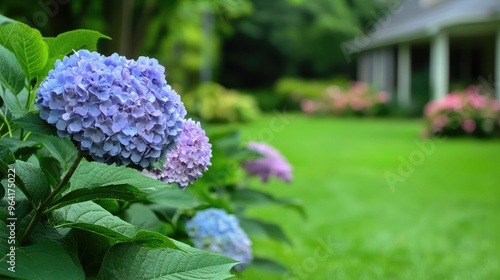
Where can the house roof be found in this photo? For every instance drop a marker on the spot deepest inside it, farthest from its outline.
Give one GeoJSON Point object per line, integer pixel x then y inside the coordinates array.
{"type": "Point", "coordinates": [412, 20]}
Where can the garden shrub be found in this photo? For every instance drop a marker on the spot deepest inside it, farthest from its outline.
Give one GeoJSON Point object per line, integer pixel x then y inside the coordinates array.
{"type": "Point", "coordinates": [358, 100]}
{"type": "Point", "coordinates": [291, 91]}
{"type": "Point", "coordinates": [213, 103]}
{"type": "Point", "coordinates": [101, 173]}
{"type": "Point", "coordinates": [461, 113]}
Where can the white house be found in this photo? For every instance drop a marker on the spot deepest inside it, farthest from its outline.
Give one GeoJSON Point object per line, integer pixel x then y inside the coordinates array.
{"type": "Point", "coordinates": [448, 40]}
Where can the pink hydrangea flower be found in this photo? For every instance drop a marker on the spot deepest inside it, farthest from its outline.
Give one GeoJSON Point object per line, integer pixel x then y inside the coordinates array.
{"type": "Point", "coordinates": [272, 163]}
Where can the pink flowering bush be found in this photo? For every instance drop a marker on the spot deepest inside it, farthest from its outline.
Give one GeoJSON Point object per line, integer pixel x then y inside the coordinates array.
{"type": "Point", "coordinates": [463, 113]}
{"type": "Point", "coordinates": [359, 99]}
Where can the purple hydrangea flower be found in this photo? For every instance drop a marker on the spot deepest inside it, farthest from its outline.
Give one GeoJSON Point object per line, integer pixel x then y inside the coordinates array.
{"type": "Point", "coordinates": [120, 111]}
{"type": "Point", "coordinates": [217, 231]}
{"type": "Point", "coordinates": [272, 163]}
{"type": "Point", "coordinates": [190, 158]}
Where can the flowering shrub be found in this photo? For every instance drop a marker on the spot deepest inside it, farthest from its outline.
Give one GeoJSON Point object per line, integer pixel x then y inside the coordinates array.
{"type": "Point", "coordinates": [76, 129]}
{"type": "Point", "coordinates": [358, 99]}
{"type": "Point", "coordinates": [271, 163]}
{"type": "Point", "coordinates": [219, 232]}
{"type": "Point", "coordinates": [214, 103]}
{"type": "Point", "coordinates": [463, 113]}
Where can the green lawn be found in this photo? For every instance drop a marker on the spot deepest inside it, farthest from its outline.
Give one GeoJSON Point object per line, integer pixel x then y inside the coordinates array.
{"type": "Point", "coordinates": [440, 219]}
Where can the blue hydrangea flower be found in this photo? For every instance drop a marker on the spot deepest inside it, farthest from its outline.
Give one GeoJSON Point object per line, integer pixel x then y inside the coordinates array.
{"type": "Point", "coordinates": [217, 231]}
{"type": "Point", "coordinates": [120, 111]}
{"type": "Point", "coordinates": [272, 162]}
{"type": "Point", "coordinates": [191, 157]}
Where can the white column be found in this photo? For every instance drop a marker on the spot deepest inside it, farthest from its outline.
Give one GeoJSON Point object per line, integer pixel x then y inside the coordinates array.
{"type": "Point", "coordinates": [381, 69]}
{"type": "Point", "coordinates": [440, 65]}
{"type": "Point", "coordinates": [496, 83]}
{"type": "Point", "coordinates": [404, 75]}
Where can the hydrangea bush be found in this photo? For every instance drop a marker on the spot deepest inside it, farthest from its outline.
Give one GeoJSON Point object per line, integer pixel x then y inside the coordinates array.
{"type": "Point", "coordinates": [359, 99]}
{"type": "Point", "coordinates": [94, 152]}
{"type": "Point", "coordinates": [462, 113]}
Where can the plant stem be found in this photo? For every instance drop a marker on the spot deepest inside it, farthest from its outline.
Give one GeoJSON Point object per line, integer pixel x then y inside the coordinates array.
{"type": "Point", "coordinates": [46, 202]}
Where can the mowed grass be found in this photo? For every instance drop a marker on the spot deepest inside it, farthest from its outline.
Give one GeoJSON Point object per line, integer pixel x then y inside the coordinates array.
{"type": "Point", "coordinates": [440, 219]}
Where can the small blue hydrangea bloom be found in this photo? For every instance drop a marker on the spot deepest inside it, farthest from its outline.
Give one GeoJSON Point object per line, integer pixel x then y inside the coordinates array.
{"type": "Point", "coordinates": [190, 158]}
{"type": "Point", "coordinates": [120, 111]}
{"type": "Point", "coordinates": [219, 232]}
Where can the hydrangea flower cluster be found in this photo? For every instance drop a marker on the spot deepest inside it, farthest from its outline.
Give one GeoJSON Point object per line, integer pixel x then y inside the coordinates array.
{"type": "Point", "coordinates": [190, 158]}
{"type": "Point", "coordinates": [219, 232]}
{"type": "Point", "coordinates": [120, 111]}
{"type": "Point", "coordinates": [272, 163]}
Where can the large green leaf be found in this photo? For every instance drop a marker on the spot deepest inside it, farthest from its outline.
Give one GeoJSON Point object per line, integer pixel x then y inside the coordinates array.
{"type": "Point", "coordinates": [255, 227]}
{"type": "Point", "coordinates": [91, 217]}
{"type": "Point", "coordinates": [129, 261]}
{"type": "Point", "coordinates": [45, 259]}
{"type": "Point", "coordinates": [136, 186]}
{"type": "Point", "coordinates": [27, 45]}
{"type": "Point", "coordinates": [34, 179]}
{"type": "Point", "coordinates": [142, 216]}
{"type": "Point", "coordinates": [107, 175]}
{"type": "Point", "coordinates": [174, 198]}
{"type": "Point", "coordinates": [73, 40]}
{"type": "Point", "coordinates": [120, 192]}
{"type": "Point", "coordinates": [251, 197]}
{"type": "Point", "coordinates": [12, 75]}
{"type": "Point", "coordinates": [32, 122]}
{"type": "Point", "coordinates": [62, 149]}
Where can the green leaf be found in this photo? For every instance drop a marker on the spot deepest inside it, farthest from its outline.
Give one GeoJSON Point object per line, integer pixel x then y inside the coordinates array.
{"type": "Point", "coordinates": [12, 75]}
{"type": "Point", "coordinates": [120, 192]}
{"type": "Point", "coordinates": [142, 216]}
{"type": "Point", "coordinates": [174, 198]}
{"type": "Point", "coordinates": [107, 175]}
{"type": "Point", "coordinates": [32, 122]}
{"type": "Point", "coordinates": [73, 40]}
{"type": "Point", "coordinates": [14, 144]}
{"type": "Point", "coordinates": [46, 259]}
{"type": "Point", "coordinates": [27, 45]}
{"type": "Point", "coordinates": [91, 217]}
{"type": "Point", "coordinates": [251, 197]}
{"type": "Point", "coordinates": [269, 265]}
{"type": "Point", "coordinates": [91, 250]}
{"type": "Point", "coordinates": [4, 171]}
{"type": "Point", "coordinates": [13, 103]}
{"type": "Point", "coordinates": [255, 227]}
{"type": "Point", "coordinates": [34, 179]}
{"type": "Point", "coordinates": [6, 155]}
{"type": "Point", "coordinates": [135, 185]}
{"type": "Point", "coordinates": [129, 261]}
{"type": "Point", "coordinates": [62, 149]}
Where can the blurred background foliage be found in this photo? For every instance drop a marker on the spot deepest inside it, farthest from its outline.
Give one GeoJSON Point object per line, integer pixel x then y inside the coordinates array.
{"type": "Point", "coordinates": [230, 59]}
{"type": "Point", "coordinates": [244, 44]}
